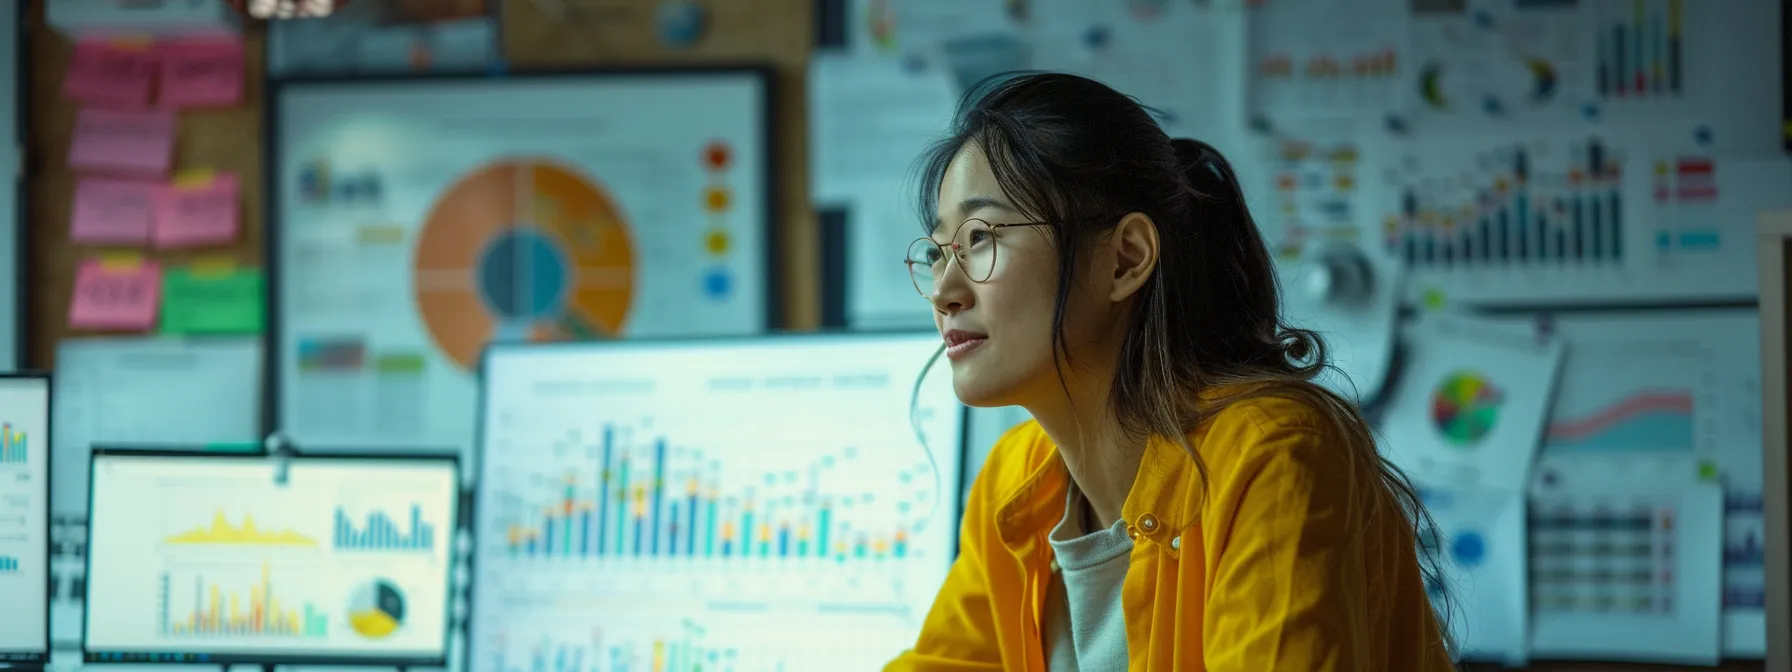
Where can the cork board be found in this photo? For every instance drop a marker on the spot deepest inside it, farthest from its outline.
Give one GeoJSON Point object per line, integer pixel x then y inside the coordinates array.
{"type": "Point", "coordinates": [226, 139]}
{"type": "Point", "coordinates": [563, 34]}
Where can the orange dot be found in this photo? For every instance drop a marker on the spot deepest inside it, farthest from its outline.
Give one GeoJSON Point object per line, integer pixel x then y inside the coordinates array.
{"type": "Point", "coordinates": [716, 155]}
{"type": "Point", "coordinates": [716, 199]}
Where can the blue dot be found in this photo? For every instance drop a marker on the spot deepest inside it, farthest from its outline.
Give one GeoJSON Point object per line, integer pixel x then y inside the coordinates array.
{"type": "Point", "coordinates": [1702, 134]}
{"type": "Point", "coordinates": [680, 23]}
{"type": "Point", "coordinates": [913, 64]}
{"type": "Point", "coordinates": [1663, 241]}
{"type": "Point", "coordinates": [1096, 37]}
{"type": "Point", "coordinates": [1469, 549]}
{"type": "Point", "coordinates": [1396, 124]}
{"type": "Point", "coordinates": [1492, 106]}
{"type": "Point", "coordinates": [1483, 19]}
{"type": "Point", "coordinates": [716, 283]}
{"type": "Point", "coordinates": [1590, 111]}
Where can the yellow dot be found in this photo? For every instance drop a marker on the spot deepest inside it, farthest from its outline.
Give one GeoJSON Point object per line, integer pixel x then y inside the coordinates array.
{"type": "Point", "coordinates": [717, 241]}
{"type": "Point", "coordinates": [1345, 182]}
{"type": "Point", "coordinates": [716, 199]}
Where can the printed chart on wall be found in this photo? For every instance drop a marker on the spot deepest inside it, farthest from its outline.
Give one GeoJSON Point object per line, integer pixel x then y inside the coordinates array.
{"type": "Point", "coordinates": [1330, 58]}
{"type": "Point", "coordinates": [1479, 538]}
{"type": "Point", "coordinates": [656, 504]}
{"type": "Point", "coordinates": [1623, 572]}
{"type": "Point", "coordinates": [1471, 403]}
{"type": "Point", "coordinates": [1653, 400]}
{"type": "Point", "coordinates": [1577, 218]}
{"type": "Point", "coordinates": [209, 559]}
{"type": "Point", "coordinates": [1314, 191]}
{"type": "Point", "coordinates": [1476, 62]}
{"type": "Point", "coordinates": [24, 518]}
{"type": "Point", "coordinates": [420, 220]}
{"type": "Point", "coordinates": [1162, 53]}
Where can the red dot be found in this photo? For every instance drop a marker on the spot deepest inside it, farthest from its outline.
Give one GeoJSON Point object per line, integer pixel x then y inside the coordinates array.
{"type": "Point", "coordinates": [716, 155]}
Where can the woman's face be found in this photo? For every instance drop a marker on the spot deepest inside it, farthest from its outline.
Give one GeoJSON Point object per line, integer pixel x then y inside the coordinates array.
{"type": "Point", "coordinates": [998, 331]}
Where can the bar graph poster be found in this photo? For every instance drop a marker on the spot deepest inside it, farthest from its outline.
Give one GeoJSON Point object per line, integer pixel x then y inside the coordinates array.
{"type": "Point", "coordinates": [1582, 218]}
{"type": "Point", "coordinates": [629, 478]}
{"type": "Point", "coordinates": [212, 557]}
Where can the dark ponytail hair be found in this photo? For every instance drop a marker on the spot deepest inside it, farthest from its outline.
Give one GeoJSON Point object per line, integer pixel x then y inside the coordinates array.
{"type": "Point", "coordinates": [1078, 154]}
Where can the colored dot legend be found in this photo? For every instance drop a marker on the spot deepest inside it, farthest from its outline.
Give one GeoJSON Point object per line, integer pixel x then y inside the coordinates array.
{"type": "Point", "coordinates": [717, 242]}
{"type": "Point", "coordinates": [716, 198]}
{"type": "Point", "coordinates": [716, 156]}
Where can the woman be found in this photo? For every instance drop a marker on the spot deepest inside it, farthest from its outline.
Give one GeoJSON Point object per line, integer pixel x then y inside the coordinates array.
{"type": "Point", "coordinates": [1186, 498]}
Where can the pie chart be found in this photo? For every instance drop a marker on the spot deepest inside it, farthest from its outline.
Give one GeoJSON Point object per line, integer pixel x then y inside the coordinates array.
{"type": "Point", "coordinates": [522, 251]}
{"type": "Point", "coordinates": [376, 610]}
{"type": "Point", "coordinates": [1465, 407]}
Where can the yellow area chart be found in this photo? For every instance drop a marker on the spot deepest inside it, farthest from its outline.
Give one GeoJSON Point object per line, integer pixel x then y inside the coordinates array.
{"type": "Point", "coordinates": [247, 534]}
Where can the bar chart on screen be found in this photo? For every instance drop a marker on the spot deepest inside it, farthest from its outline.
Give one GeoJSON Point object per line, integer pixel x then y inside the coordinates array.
{"type": "Point", "coordinates": [751, 505]}
{"type": "Point", "coordinates": [631, 510]}
{"type": "Point", "coordinates": [1569, 218]}
{"type": "Point", "coordinates": [705, 644]}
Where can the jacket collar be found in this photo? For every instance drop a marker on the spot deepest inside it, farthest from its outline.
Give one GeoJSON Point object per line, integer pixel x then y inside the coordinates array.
{"type": "Point", "coordinates": [1167, 486]}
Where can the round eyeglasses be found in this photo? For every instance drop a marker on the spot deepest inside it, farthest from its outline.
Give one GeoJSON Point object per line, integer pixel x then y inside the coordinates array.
{"type": "Point", "coordinates": [973, 245]}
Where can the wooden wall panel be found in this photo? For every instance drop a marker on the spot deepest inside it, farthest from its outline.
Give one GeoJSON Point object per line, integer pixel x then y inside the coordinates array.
{"type": "Point", "coordinates": [224, 139]}
{"type": "Point", "coordinates": [573, 33]}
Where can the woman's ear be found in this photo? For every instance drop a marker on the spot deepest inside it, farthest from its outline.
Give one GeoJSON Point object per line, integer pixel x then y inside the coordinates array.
{"type": "Point", "coordinates": [1133, 246]}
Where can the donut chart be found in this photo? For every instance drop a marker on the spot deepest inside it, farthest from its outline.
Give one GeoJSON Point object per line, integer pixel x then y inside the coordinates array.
{"type": "Point", "coordinates": [1465, 407]}
{"type": "Point", "coordinates": [376, 609]}
{"type": "Point", "coordinates": [522, 250]}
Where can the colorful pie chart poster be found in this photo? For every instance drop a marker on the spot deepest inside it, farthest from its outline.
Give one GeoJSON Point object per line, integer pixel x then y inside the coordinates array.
{"type": "Point", "coordinates": [416, 222]}
{"type": "Point", "coordinates": [1470, 407]}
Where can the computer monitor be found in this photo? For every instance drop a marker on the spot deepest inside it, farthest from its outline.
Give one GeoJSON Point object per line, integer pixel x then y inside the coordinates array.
{"type": "Point", "coordinates": [24, 518]}
{"type": "Point", "coordinates": [230, 558]}
{"type": "Point", "coordinates": [785, 502]}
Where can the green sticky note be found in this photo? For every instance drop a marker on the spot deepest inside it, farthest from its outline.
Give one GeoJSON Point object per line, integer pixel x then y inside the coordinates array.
{"type": "Point", "coordinates": [202, 299]}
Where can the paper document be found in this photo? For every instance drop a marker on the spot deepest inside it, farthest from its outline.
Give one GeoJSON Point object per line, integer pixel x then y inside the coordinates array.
{"type": "Point", "coordinates": [151, 393]}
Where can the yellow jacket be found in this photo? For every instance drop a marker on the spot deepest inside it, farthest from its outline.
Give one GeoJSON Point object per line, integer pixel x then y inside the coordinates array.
{"type": "Point", "coordinates": [1267, 575]}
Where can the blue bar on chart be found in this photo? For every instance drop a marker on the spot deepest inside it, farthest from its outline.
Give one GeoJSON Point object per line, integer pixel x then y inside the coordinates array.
{"type": "Point", "coordinates": [8, 564]}
{"type": "Point", "coordinates": [12, 445]}
{"type": "Point", "coordinates": [678, 507]}
{"type": "Point", "coordinates": [1511, 220]}
{"type": "Point", "coordinates": [381, 534]}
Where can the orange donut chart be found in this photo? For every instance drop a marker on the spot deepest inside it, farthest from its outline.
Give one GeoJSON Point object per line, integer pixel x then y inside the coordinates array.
{"type": "Point", "coordinates": [522, 250]}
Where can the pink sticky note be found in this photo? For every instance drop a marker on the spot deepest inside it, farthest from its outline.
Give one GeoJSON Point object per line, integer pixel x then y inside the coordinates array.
{"type": "Point", "coordinates": [113, 212]}
{"type": "Point", "coordinates": [113, 295]}
{"type": "Point", "coordinates": [108, 75]}
{"type": "Point", "coordinates": [198, 211]}
{"type": "Point", "coordinates": [133, 143]}
{"type": "Point", "coordinates": [202, 73]}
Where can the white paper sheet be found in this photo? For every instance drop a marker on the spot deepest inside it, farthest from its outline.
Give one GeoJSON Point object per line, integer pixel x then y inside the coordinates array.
{"type": "Point", "coordinates": [1481, 544]}
{"type": "Point", "coordinates": [148, 392]}
{"type": "Point", "coordinates": [870, 120]}
{"type": "Point", "coordinates": [1697, 399]}
{"type": "Point", "coordinates": [1626, 566]}
{"type": "Point", "coordinates": [1171, 60]}
{"type": "Point", "coordinates": [1470, 407]}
